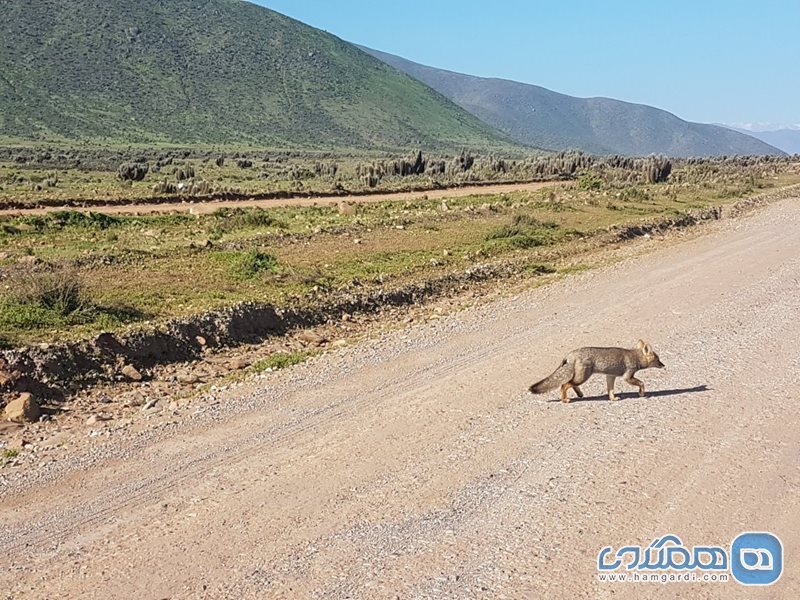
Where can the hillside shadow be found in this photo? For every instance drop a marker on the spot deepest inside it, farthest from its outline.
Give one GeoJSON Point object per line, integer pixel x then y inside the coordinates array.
{"type": "Point", "coordinates": [630, 395]}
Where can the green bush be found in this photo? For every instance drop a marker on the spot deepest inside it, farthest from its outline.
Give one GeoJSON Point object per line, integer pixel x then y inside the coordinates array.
{"type": "Point", "coordinates": [60, 291]}
{"type": "Point", "coordinates": [520, 225]}
{"type": "Point", "coordinates": [229, 219]}
{"type": "Point", "coordinates": [523, 232]}
{"type": "Point", "coordinates": [45, 299]}
{"type": "Point", "coordinates": [590, 181]}
{"type": "Point", "coordinates": [248, 264]}
{"type": "Point", "coordinates": [132, 171]}
{"type": "Point", "coordinates": [62, 219]}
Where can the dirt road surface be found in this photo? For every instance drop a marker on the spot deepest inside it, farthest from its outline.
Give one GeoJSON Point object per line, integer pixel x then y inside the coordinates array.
{"type": "Point", "coordinates": [207, 207]}
{"type": "Point", "coordinates": [418, 466]}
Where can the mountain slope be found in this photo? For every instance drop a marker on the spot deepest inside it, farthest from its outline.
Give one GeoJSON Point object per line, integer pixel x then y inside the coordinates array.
{"type": "Point", "coordinates": [208, 71]}
{"type": "Point", "coordinates": [537, 116]}
{"type": "Point", "coordinates": [787, 140]}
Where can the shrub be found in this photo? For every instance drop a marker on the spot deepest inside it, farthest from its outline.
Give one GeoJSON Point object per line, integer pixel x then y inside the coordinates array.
{"type": "Point", "coordinates": [229, 219]}
{"type": "Point", "coordinates": [657, 169]}
{"type": "Point", "coordinates": [279, 360]}
{"type": "Point", "coordinates": [62, 219]}
{"type": "Point", "coordinates": [248, 264]}
{"type": "Point", "coordinates": [464, 161]}
{"type": "Point", "coordinates": [587, 180]}
{"type": "Point", "coordinates": [329, 169]}
{"type": "Point", "coordinates": [415, 166]}
{"type": "Point", "coordinates": [198, 188]}
{"type": "Point", "coordinates": [523, 232]}
{"type": "Point", "coordinates": [132, 171]}
{"type": "Point", "coordinates": [60, 291]}
{"type": "Point", "coordinates": [186, 172]}
{"type": "Point", "coordinates": [10, 452]}
{"type": "Point", "coordinates": [370, 180]}
{"type": "Point", "coordinates": [165, 187]}
{"type": "Point", "coordinates": [46, 299]}
{"type": "Point", "coordinates": [520, 225]}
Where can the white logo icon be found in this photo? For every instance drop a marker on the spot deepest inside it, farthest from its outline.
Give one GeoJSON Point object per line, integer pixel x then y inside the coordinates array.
{"type": "Point", "coordinates": [762, 562]}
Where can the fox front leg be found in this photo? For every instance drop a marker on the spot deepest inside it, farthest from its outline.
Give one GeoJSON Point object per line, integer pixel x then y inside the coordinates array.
{"type": "Point", "coordinates": [629, 378]}
{"type": "Point", "coordinates": [610, 385]}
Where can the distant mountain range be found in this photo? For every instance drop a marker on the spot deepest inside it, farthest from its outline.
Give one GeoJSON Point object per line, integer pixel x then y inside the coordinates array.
{"type": "Point", "coordinates": [228, 72]}
{"type": "Point", "coordinates": [211, 72]}
{"type": "Point", "coordinates": [787, 140]}
{"type": "Point", "coordinates": [536, 116]}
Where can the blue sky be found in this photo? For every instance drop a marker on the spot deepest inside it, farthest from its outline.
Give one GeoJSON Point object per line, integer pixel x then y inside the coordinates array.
{"type": "Point", "coordinates": [709, 60]}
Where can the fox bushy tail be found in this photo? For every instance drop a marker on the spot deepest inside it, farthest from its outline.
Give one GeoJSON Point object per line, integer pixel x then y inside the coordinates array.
{"type": "Point", "coordinates": [559, 377]}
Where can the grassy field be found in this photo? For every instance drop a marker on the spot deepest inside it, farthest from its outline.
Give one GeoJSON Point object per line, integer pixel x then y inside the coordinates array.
{"type": "Point", "coordinates": [70, 274]}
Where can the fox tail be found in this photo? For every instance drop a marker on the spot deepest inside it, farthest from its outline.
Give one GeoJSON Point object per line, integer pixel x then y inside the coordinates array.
{"type": "Point", "coordinates": [560, 376]}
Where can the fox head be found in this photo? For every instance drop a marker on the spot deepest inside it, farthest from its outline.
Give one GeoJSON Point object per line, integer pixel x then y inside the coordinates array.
{"type": "Point", "coordinates": [650, 358]}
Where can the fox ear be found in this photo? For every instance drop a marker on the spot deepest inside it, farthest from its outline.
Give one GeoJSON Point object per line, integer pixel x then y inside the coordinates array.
{"type": "Point", "coordinates": [641, 345]}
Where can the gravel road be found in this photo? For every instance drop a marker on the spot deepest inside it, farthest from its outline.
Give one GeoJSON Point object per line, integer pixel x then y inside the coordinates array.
{"type": "Point", "coordinates": [418, 466]}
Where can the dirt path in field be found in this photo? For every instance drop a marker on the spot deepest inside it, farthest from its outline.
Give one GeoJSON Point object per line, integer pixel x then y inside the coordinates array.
{"type": "Point", "coordinates": [418, 466]}
{"type": "Point", "coordinates": [205, 207]}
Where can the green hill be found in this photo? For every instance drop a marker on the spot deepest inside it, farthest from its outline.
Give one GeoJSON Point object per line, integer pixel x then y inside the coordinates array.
{"type": "Point", "coordinates": [536, 116]}
{"type": "Point", "coordinates": [208, 72]}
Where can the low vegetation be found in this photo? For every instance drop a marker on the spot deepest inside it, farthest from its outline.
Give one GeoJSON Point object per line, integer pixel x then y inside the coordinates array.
{"type": "Point", "coordinates": [70, 274]}
{"type": "Point", "coordinates": [247, 264]}
{"type": "Point", "coordinates": [279, 360]}
{"type": "Point", "coordinates": [93, 177]}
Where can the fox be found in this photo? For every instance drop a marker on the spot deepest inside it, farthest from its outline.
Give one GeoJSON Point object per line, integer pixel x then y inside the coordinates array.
{"type": "Point", "coordinates": [582, 363]}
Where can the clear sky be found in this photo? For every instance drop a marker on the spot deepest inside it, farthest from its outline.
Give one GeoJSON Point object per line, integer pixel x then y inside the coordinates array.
{"type": "Point", "coordinates": [727, 61]}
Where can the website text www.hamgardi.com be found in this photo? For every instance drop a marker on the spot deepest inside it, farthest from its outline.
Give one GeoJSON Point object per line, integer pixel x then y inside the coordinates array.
{"type": "Point", "coordinates": [663, 577]}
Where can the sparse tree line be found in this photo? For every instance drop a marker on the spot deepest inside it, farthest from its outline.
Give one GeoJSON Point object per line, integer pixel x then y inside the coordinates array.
{"type": "Point", "coordinates": [176, 171]}
{"type": "Point", "coordinates": [466, 166]}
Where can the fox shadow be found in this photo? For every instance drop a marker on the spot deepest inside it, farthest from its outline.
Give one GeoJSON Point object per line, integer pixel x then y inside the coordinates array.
{"type": "Point", "coordinates": [631, 395]}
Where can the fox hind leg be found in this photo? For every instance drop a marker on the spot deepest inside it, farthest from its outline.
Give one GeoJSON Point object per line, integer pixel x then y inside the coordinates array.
{"type": "Point", "coordinates": [564, 389]}
{"type": "Point", "coordinates": [610, 385]}
{"type": "Point", "coordinates": [580, 375]}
